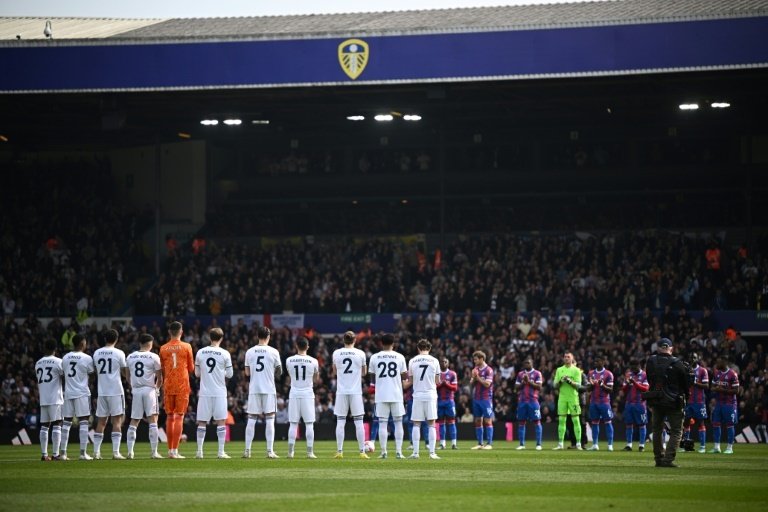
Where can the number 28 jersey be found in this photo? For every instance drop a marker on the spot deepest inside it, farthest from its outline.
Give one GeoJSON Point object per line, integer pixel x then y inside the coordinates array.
{"type": "Point", "coordinates": [388, 367]}
{"type": "Point", "coordinates": [143, 367]}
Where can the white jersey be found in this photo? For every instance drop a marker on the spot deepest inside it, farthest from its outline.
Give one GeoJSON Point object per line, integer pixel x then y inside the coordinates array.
{"type": "Point", "coordinates": [144, 368]}
{"type": "Point", "coordinates": [302, 370]}
{"type": "Point", "coordinates": [109, 363]}
{"type": "Point", "coordinates": [423, 369]}
{"type": "Point", "coordinates": [349, 364]}
{"type": "Point", "coordinates": [49, 373]}
{"type": "Point", "coordinates": [215, 366]}
{"type": "Point", "coordinates": [76, 366]}
{"type": "Point", "coordinates": [262, 361]}
{"type": "Point", "coordinates": [388, 367]}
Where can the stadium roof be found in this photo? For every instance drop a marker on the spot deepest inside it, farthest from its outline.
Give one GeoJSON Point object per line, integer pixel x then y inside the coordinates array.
{"type": "Point", "coordinates": [385, 23]}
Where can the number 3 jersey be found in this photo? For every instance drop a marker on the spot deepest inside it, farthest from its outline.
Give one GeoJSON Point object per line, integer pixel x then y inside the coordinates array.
{"type": "Point", "coordinates": [109, 362]}
{"type": "Point", "coordinates": [302, 370]}
{"type": "Point", "coordinates": [143, 367]}
{"type": "Point", "coordinates": [76, 366]}
{"type": "Point", "coordinates": [388, 366]}
{"type": "Point", "coordinates": [349, 364]}
{"type": "Point", "coordinates": [262, 360]}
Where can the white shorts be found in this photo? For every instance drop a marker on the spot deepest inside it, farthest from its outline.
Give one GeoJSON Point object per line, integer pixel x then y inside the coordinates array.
{"type": "Point", "coordinates": [301, 408]}
{"type": "Point", "coordinates": [384, 409]}
{"type": "Point", "coordinates": [49, 413]}
{"type": "Point", "coordinates": [212, 408]}
{"type": "Point", "coordinates": [261, 403]}
{"type": "Point", "coordinates": [424, 410]}
{"type": "Point", "coordinates": [107, 406]}
{"type": "Point", "coordinates": [76, 407]}
{"type": "Point", "coordinates": [144, 403]}
{"type": "Point", "coordinates": [348, 404]}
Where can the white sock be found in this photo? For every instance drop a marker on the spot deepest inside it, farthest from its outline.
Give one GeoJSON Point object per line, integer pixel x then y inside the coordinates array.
{"type": "Point", "coordinates": [360, 431]}
{"type": "Point", "coordinates": [131, 438]}
{"type": "Point", "coordinates": [432, 438]}
{"type": "Point", "coordinates": [340, 424]}
{"type": "Point", "coordinates": [44, 441]}
{"type": "Point", "coordinates": [200, 439]}
{"type": "Point", "coordinates": [250, 428]}
{"type": "Point", "coordinates": [269, 433]}
{"type": "Point", "coordinates": [97, 440]}
{"type": "Point", "coordinates": [152, 437]}
{"type": "Point", "coordinates": [383, 434]}
{"type": "Point", "coordinates": [117, 438]}
{"type": "Point", "coordinates": [221, 434]}
{"type": "Point", "coordinates": [292, 437]}
{"type": "Point", "coordinates": [309, 433]}
{"type": "Point", "coordinates": [65, 435]}
{"type": "Point", "coordinates": [83, 436]}
{"type": "Point", "coordinates": [399, 436]}
{"type": "Point", "coordinates": [415, 438]}
{"type": "Point", "coordinates": [56, 439]}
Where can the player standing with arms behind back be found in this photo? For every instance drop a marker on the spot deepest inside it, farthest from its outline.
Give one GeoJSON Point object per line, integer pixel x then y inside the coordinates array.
{"type": "Point", "coordinates": [177, 362]}
{"type": "Point", "coordinates": [567, 381]}
{"type": "Point", "coordinates": [349, 367]}
{"type": "Point", "coordinates": [262, 365]}
{"type": "Point", "coordinates": [424, 372]}
{"type": "Point", "coordinates": [696, 409]}
{"type": "Point", "coordinates": [482, 401]}
{"type": "Point", "coordinates": [77, 366]}
{"type": "Point", "coordinates": [446, 404]}
{"type": "Point", "coordinates": [389, 372]}
{"type": "Point", "coordinates": [304, 373]}
{"type": "Point", "coordinates": [146, 378]}
{"type": "Point", "coordinates": [51, 393]}
{"type": "Point", "coordinates": [213, 366]}
{"type": "Point", "coordinates": [110, 368]}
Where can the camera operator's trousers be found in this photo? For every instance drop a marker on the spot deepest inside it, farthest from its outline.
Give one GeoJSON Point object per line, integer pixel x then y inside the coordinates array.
{"type": "Point", "coordinates": [674, 416]}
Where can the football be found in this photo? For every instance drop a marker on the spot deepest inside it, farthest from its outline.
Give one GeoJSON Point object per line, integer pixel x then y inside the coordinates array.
{"type": "Point", "coordinates": [370, 446]}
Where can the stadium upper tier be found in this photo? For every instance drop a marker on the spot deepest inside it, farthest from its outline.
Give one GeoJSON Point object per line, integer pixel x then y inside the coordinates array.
{"type": "Point", "coordinates": [383, 23]}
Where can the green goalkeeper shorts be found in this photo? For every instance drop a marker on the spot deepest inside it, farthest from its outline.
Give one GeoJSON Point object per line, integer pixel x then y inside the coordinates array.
{"type": "Point", "coordinates": [571, 407]}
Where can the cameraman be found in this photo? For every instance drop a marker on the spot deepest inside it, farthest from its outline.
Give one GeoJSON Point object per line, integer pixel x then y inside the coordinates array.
{"type": "Point", "coordinates": [668, 380]}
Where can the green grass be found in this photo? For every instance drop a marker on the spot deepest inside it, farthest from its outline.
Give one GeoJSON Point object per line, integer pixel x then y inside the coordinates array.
{"type": "Point", "coordinates": [499, 480]}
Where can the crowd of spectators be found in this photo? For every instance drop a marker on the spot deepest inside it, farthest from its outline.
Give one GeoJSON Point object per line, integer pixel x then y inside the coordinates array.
{"type": "Point", "coordinates": [66, 248]}
{"type": "Point", "coordinates": [630, 271]}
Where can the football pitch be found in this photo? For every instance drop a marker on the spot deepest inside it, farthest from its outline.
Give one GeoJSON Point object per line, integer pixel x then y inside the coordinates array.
{"type": "Point", "coordinates": [501, 479]}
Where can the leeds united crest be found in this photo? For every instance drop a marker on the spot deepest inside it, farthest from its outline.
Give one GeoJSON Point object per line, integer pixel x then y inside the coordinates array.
{"type": "Point", "coordinates": [353, 57]}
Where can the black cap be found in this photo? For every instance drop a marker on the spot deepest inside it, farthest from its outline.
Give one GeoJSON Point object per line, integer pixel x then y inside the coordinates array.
{"type": "Point", "coordinates": [664, 343]}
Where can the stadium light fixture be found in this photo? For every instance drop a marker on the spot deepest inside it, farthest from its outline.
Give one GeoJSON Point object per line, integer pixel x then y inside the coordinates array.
{"type": "Point", "coordinates": [412, 117]}
{"type": "Point", "coordinates": [260, 121]}
{"type": "Point", "coordinates": [720, 104]}
{"type": "Point", "coordinates": [404, 201]}
{"type": "Point", "coordinates": [233, 122]}
{"type": "Point", "coordinates": [209, 122]}
{"type": "Point", "coordinates": [689, 106]}
{"type": "Point", "coordinates": [355, 118]}
{"type": "Point", "coordinates": [3, 138]}
{"type": "Point", "coordinates": [184, 135]}
{"type": "Point", "coordinates": [383, 117]}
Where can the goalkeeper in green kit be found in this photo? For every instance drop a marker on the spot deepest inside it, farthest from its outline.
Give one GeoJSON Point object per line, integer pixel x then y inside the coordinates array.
{"type": "Point", "coordinates": [568, 381]}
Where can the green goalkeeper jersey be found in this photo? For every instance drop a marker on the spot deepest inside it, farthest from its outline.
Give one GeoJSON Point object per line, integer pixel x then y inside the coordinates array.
{"type": "Point", "coordinates": [567, 391]}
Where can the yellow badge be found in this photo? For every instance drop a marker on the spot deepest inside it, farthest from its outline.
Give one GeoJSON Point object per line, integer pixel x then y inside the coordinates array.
{"type": "Point", "coordinates": [353, 57]}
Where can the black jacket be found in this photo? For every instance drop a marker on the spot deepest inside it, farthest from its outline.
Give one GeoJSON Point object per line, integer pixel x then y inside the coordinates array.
{"type": "Point", "coordinates": [677, 375]}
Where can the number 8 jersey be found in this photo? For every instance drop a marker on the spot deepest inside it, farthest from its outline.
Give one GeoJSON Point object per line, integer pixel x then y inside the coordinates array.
{"type": "Point", "coordinates": [143, 367]}
{"type": "Point", "coordinates": [388, 367]}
